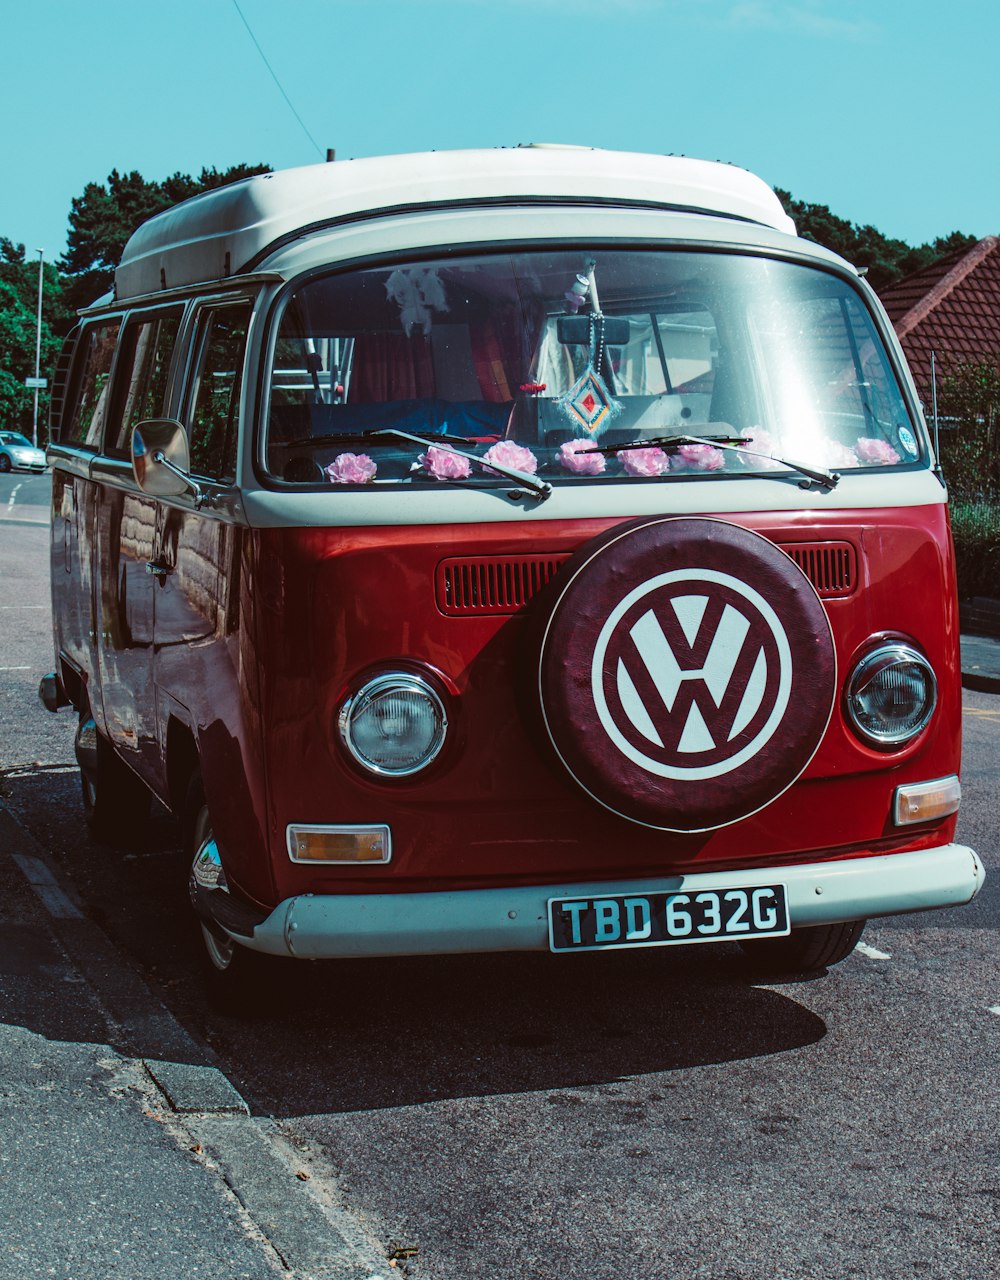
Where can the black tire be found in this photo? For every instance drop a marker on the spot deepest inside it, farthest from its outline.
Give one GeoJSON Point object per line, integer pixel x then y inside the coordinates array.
{"type": "Point", "coordinates": [235, 979]}
{"type": "Point", "coordinates": [805, 950]}
{"type": "Point", "coordinates": [5, 463]}
{"type": "Point", "coordinates": [115, 800]}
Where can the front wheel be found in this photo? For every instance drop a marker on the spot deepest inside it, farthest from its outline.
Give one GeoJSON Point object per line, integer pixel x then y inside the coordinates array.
{"type": "Point", "coordinates": [115, 801]}
{"type": "Point", "coordinates": [235, 978]}
{"type": "Point", "coordinates": [5, 462]}
{"type": "Point", "coordinates": [805, 950]}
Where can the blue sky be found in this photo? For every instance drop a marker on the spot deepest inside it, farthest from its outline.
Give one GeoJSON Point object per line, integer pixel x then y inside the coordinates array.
{"type": "Point", "coordinates": [887, 111]}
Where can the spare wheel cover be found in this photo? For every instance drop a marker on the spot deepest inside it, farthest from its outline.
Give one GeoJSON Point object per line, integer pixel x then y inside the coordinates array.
{"type": "Point", "coordinates": [687, 672]}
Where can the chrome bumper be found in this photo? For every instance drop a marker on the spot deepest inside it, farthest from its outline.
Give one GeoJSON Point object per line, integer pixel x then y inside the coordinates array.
{"type": "Point", "coordinates": [332, 926]}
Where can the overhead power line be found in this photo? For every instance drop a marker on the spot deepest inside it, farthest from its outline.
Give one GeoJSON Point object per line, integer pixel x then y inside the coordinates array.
{"type": "Point", "coordinates": [275, 78]}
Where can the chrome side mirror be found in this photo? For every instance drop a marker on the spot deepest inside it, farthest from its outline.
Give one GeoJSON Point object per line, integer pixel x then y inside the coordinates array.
{"type": "Point", "coordinates": [161, 459]}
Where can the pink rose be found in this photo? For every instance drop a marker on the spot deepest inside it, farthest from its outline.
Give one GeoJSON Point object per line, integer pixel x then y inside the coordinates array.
{"type": "Point", "coordinates": [831, 453]}
{"type": "Point", "coordinates": [444, 464]}
{"type": "Point", "coordinates": [509, 454]}
{"type": "Point", "coordinates": [874, 453]}
{"type": "Point", "coordinates": [761, 442]}
{"type": "Point", "coordinates": [351, 468]}
{"type": "Point", "coordinates": [644, 462]}
{"type": "Point", "coordinates": [698, 457]}
{"type": "Point", "coordinates": [580, 457]}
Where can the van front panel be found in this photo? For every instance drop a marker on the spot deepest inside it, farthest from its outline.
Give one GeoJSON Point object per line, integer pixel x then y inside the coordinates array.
{"type": "Point", "coordinates": [337, 606]}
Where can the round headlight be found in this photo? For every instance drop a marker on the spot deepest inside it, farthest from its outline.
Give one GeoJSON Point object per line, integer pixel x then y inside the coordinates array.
{"type": "Point", "coordinates": [394, 725]}
{"type": "Point", "coordinates": [891, 695]}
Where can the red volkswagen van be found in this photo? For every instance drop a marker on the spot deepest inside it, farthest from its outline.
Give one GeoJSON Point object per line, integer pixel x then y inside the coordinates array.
{"type": "Point", "coordinates": [531, 549]}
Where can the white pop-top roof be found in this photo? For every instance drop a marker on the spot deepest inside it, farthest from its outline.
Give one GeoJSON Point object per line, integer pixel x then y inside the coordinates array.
{"type": "Point", "coordinates": [222, 232]}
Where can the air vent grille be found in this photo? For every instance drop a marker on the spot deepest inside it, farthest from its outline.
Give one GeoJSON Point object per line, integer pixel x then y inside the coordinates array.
{"type": "Point", "coordinates": [832, 567]}
{"type": "Point", "coordinates": [480, 586]}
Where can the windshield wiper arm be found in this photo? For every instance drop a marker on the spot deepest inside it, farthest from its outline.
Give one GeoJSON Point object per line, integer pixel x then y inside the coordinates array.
{"type": "Point", "coordinates": [536, 488]}
{"type": "Point", "coordinates": [539, 489]}
{"type": "Point", "coordinates": [357, 437]}
{"type": "Point", "coordinates": [735, 444]}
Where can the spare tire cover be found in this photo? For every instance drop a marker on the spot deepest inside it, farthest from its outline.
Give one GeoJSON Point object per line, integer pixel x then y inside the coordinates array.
{"type": "Point", "coordinates": [687, 671]}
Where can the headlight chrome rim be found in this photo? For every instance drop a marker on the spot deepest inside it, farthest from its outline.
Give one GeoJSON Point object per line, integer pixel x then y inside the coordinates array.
{"type": "Point", "coordinates": [380, 686]}
{"type": "Point", "coordinates": [874, 663]}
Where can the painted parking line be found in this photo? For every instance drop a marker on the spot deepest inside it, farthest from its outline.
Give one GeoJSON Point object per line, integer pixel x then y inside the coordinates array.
{"type": "Point", "coordinates": [982, 712]}
{"type": "Point", "coordinates": [46, 887]}
{"type": "Point", "coordinates": [15, 668]}
{"type": "Point", "coordinates": [994, 1008]}
{"type": "Point", "coordinates": [872, 953]}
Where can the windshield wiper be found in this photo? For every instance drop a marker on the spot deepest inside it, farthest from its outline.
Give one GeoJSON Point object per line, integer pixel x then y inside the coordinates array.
{"type": "Point", "coordinates": [359, 437]}
{"type": "Point", "coordinates": [539, 489]}
{"type": "Point", "coordinates": [536, 488]}
{"type": "Point", "coordinates": [735, 444]}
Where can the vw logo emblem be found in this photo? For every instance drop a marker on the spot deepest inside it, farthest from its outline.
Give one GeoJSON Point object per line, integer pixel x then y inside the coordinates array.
{"type": "Point", "coordinates": [691, 674]}
{"type": "Point", "coordinates": [686, 671]}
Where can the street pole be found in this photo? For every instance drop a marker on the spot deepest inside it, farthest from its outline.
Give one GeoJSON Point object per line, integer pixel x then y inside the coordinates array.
{"type": "Point", "coordinates": [38, 348]}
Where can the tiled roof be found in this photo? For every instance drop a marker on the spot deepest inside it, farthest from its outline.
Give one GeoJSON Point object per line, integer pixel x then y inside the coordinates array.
{"type": "Point", "coordinates": [951, 309]}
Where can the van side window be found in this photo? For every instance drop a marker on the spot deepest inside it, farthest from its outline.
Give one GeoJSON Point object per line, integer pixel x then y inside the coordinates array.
{"type": "Point", "coordinates": [87, 409]}
{"type": "Point", "coordinates": [214, 402]}
{"type": "Point", "coordinates": [141, 378]}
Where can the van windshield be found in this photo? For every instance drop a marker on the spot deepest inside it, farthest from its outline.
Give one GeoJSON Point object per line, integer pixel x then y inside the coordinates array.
{"type": "Point", "coordinates": [547, 360]}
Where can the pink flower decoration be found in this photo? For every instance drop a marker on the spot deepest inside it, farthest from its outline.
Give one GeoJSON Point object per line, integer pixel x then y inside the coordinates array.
{"type": "Point", "coordinates": [351, 468]}
{"type": "Point", "coordinates": [644, 462]}
{"type": "Point", "coordinates": [761, 442]}
{"type": "Point", "coordinates": [698, 457]}
{"type": "Point", "coordinates": [509, 454]}
{"type": "Point", "coordinates": [580, 457]}
{"type": "Point", "coordinates": [443, 464]}
{"type": "Point", "coordinates": [875, 452]}
{"type": "Point", "coordinates": [831, 453]}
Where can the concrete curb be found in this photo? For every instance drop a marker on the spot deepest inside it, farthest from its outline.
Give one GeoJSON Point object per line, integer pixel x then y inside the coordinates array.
{"type": "Point", "coordinates": [314, 1238]}
{"type": "Point", "coordinates": [981, 663]}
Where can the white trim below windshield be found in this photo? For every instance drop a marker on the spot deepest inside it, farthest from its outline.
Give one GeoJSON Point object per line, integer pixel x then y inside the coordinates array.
{"type": "Point", "coordinates": [453, 504]}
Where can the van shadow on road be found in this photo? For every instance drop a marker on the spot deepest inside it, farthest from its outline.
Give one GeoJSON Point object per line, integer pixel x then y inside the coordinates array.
{"type": "Point", "coordinates": [344, 1036]}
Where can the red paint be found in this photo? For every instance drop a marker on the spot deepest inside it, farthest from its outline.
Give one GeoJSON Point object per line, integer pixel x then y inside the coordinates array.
{"type": "Point", "coordinates": [332, 604]}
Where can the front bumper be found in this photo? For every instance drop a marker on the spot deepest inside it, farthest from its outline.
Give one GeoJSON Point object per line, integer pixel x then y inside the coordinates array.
{"type": "Point", "coordinates": [332, 926]}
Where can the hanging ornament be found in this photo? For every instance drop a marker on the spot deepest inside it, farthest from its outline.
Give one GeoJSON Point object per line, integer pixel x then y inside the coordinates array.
{"type": "Point", "coordinates": [588, 403]}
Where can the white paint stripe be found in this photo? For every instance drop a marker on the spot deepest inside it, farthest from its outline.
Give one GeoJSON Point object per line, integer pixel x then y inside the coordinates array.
{"type": "Point", "coordinates": [46, 887]}
{"type": "Point", "coordinates": [995, 1008]}
{"type": "Point", "coordinates": [29, 770]}
{"type": "Point", "coordinates": [871, 952]}
{"type": "Point", "coordinates": [23, 606]}
{"type": "Point", "coordinates": [15, 668]}
{"type": "Point", "coordinates": [13, 496]}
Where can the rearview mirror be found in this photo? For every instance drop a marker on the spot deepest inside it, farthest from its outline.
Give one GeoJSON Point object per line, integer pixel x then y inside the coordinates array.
{"type": "Point", "coordinates": [572, 330]}
{"type": "Point", "coordinates": [160, 458]}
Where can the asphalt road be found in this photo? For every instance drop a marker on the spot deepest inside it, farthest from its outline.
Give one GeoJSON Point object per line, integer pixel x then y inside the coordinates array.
{"type": "Point", "coordinates": [649, 1116]}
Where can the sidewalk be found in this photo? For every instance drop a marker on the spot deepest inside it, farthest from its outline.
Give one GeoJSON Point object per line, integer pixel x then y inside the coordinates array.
{"type": "Point", "coordinates": [979, 620]}
{"type": "Point", "coordinates": [125, 1153]}
{"type": "Point", "coordinates": [981, 663]}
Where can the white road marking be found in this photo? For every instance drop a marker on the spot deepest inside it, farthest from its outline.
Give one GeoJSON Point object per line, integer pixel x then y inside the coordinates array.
{"type": "Point", "coordinates": [995, 1008]}
{"type": "Point", "coordinates": [13, 495]}
{"type": "Point", "coordinates": [29, 770]}
{"type": "Point", "coordinates": [872, 953]}
{"type": "Point", "coordinates": [44, 884]}
{"type": "Point", "coordinates": [15, 668]}
{"type": "Point", "coordinates": [23, 606]}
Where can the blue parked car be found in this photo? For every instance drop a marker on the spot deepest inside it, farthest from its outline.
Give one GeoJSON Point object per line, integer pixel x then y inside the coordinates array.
{"type": "Point", "coordinates": [17, 453]}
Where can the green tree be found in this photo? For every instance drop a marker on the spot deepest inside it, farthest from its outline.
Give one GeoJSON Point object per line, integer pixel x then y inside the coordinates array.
{"type": "Point", "coordinates": [886, 258]}
{"type": "Point", "coordinates": [105, 215]}
{"type": "Point", "coordinates": [18, 332]}
{"type": "Point", "coordinates": [969, 403]}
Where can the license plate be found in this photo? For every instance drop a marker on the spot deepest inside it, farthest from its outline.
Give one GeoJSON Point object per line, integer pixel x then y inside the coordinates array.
{"type": "Point", "coordinates": [664, 919]}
